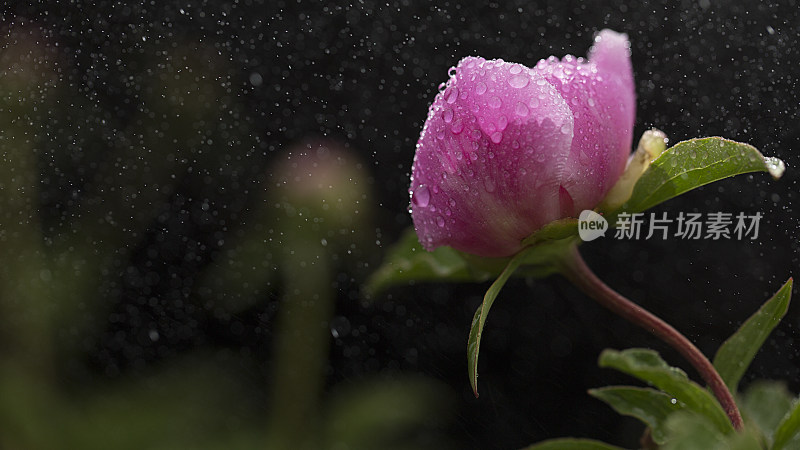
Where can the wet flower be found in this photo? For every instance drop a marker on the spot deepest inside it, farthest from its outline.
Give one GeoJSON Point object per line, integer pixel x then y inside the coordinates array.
{"type": "Point", "coordinates": [507, 149]}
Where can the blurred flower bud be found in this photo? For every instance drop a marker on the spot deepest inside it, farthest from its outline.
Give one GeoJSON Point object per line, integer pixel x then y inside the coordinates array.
{"type": "Point", "coordinates": [507, 149]}
{"type": "Point", "coordinates": [322, 183]}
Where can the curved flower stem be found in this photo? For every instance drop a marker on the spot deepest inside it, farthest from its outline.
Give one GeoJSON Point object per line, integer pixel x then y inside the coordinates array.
{"type": "Point", "coordinates": [574, 268]}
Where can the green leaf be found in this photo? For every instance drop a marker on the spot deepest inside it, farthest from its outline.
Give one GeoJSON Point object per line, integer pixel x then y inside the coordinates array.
{"type": "Point", "coordinates": [764, 405]}
{"type": "Point", "coordinates": [408, 261]}
{"type": "Point", "coordinates": [736, 354]}
{"type": "Point", "coordinates": [356, 416]}
{"type": "Point", "coordinates": [647, 365]}
{"type": "Point", "coordinates": [478, 321]}
{"type": "Point", "coordinates": [787, 431]}
{"type": "Point", "coordinates": [690, 431]}
{"type": "Point", "coordinates": [693, 163]}
{"type": "Point", "coordinates": [572, 444]}
{"type": "Point", "coordinates": [648, 405]}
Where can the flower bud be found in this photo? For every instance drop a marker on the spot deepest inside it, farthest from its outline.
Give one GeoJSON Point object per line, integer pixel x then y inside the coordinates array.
{"type": "Point", "coordinates": [507, 149]}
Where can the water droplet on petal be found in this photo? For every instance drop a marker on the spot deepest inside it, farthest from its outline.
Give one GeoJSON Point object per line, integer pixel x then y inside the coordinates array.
{"type": "Point", "coordinates": [452, 95]}
{"type": "Point", "coordinates": [488, 184]}
{"type": "Point", "coordinates": [440, 221]}
{"type": "Point", "coordinates": [495, 102]}
{"type": "Point", "coordinates": [476, 134]}
{"type": "Point", "coordinates": [565, 128]}
{"type": "Point", "coordinates": [421, 196]}
{"type": "Point", "coordinates": [480, 88]}
{"type": "Point", "coordinates": [457, 127]}
{"type": "Point", "coordinates": [521, 109]}
{"type": "Point", "coordinates": [496, 137]}
{"type": "Point", "coordinates": [451, 72]}
{"type": "Point", "coordinates": [448, 115]}
{"type": "Point", "coordinates": [515, 69]}
{"type": "Point", "coordinates": [502, 123]}
{"type": "Point", "coordinates": [519, 81]}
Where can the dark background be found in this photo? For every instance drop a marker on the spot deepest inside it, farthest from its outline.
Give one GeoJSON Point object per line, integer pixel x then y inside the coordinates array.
{"type": "Point", "coordinates": [363, 75]}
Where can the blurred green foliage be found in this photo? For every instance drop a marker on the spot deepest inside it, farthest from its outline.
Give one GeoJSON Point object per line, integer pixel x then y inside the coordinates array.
{"type": "Point", "coordinates": [59, 259]}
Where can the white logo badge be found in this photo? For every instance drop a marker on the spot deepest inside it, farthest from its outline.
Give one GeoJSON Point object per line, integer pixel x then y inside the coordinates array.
{"type": "Point", "coordinates": [591, 225]}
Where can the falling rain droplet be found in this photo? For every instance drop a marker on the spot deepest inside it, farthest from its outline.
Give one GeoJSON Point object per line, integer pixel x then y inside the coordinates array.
{"type": "Point", "coordinates": [421, 196]}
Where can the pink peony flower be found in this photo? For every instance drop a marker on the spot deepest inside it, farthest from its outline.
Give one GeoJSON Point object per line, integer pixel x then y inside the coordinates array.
{"type": "Point", "coordinates": [506, 149]}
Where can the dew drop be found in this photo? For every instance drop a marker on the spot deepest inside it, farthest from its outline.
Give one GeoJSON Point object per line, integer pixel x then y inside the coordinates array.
{"type": "Point", "coordinates": [476, 134]}
{"type": "Point", "coordinates": [457, 127]}
{"type": "Point", "coordinates": [480, 88]}
{"type": "Point", "coordinates": [421, 196]}
{"type": "Point", "coordinates": [496, 137]}
{"type": "Point", "coordinates": [519, 81]}
{"type": "Point", "coordinates": [451, 72]}
{"type": "Point", "coordinates": [775, 166]}
{"type": "Point", "coordinates": [452, 95]}
{"type": "Point", "coordinates": [440, 221]}
{"type": "Point", "coordinates": [591, 102]}
{"type": "Point", "coordinates": [521, 110]}
{"type": "Point", "coordinates": [488, 184]}
{"type": "Point", "coordinates": [565, 128]}
{"type": "Point", "coordinates": [448, 115]}
{"type": "Point", "coordinates": [515, 69]}
{"type": "Point", "coordinates": [502, 123]}
{"type": "Point", "coordinates": [495, 102]}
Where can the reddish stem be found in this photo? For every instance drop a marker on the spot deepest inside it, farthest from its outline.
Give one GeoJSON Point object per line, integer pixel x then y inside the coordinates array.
{"type": "Point", "coordinates": [575, 269]}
